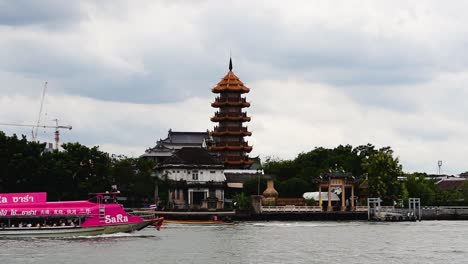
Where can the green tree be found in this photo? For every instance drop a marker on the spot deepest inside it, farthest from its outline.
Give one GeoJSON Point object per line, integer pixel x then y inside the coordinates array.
{"type": "Point", "coordinates": [382, 171]}
{"type": "Point", "coordinates": [418, 186]}
{"type": "Point", "coordinates": [294, 188]}
{"type": "Point", "coordinates": [251, 186]}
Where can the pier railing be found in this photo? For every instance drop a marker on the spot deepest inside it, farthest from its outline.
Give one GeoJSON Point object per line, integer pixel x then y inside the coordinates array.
{"type": "Point", "coordinates": [290, 208]}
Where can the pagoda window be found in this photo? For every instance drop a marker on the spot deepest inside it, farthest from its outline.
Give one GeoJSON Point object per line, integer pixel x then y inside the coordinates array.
{"type": "Point", "coordinates": [195, 175]}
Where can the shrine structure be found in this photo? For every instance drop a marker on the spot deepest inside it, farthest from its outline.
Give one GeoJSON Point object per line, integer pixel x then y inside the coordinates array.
{"type": "Point", "coordinates": [228, 135]}
{"type": "Point", "coordinates": [337, 183]}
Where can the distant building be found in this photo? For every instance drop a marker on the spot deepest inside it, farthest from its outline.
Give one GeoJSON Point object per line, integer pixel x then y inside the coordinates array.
{"type": "Point", "coordinates": [196, 179]}
{"type": "Point", "coordinates": [165, 148]}
{"type": "Point", "coordinates": [450, 184]}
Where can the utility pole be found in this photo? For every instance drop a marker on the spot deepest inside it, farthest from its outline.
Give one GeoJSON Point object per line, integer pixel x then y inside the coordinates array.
{"type": "Point", "coordinates": [439, 163]}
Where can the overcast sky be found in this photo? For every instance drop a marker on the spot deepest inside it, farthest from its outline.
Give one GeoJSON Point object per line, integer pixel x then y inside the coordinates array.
{"type": "Point", "coordinates": [321, 73]}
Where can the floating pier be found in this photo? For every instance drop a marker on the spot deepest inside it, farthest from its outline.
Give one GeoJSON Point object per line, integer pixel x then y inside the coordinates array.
{"type": "Point", "coordinates": [377, 212]}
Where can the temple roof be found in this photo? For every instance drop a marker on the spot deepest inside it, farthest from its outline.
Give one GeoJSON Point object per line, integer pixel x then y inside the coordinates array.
{"type": "Point", "coordinates": [193, 156]}
{"type": "Point", "coordinates": [231, 83]}
{"type": "Point", "coordinates": [174, 137]}
{"type": "Point", "coordinates": [178, 140]}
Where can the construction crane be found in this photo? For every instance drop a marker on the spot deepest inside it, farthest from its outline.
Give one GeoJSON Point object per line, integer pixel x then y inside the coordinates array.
{"type": "Point", "coordinates": [34, 130]}
{"type": "Point", "coordinates": [57, 127]}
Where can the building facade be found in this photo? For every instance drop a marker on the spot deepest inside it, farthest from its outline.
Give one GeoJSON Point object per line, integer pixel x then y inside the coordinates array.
{"type": "Point", "coordinates": [196, 179]}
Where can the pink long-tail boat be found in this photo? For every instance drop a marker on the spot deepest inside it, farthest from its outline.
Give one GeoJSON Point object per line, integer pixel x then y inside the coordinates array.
{"type": "Point", "coordinates": [30, 215]}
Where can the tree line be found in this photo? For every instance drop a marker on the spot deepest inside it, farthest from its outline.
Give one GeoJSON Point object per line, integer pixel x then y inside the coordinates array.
{"type": "Point", "coordinates": [79, 170]}
{"type": "Point", "coordinates": [377, 173]}
{"type": "Point", "coordinates": [73, 173]}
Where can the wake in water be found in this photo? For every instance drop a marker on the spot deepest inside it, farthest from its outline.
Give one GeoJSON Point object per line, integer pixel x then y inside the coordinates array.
{"type": "Point", "coordinates": [303, 224]}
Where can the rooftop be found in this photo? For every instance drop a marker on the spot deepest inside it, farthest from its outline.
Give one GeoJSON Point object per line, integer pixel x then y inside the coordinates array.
{"type": "Point", "coordinates": [451, 183]}
{"type": "Point", "coordinates": [193, 156]}
{"type": "Point", "coordinates": [232, 83]}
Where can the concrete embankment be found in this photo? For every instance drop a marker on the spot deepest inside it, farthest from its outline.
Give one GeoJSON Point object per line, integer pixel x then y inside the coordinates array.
{"type": "Point", "coordinates": [290, 216]}
{"type": "Point", "coordinates": [445, 213]}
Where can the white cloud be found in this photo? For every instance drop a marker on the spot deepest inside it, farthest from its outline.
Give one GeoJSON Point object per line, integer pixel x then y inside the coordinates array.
{"type": "Point", "coordinates": [289, 117]}
{"type": "Point", "coordinates": [322, 73]}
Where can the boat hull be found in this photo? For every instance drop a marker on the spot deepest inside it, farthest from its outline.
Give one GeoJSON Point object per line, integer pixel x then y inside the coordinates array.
{"type": "Point", "coordinates": [61, 232]}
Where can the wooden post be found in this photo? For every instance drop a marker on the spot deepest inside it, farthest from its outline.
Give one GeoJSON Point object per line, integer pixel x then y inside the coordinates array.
{"type": "Point", "coordinates": [320, 197]}
{"type": "Point", "coordinates": [329, 209]}
{"type": "Point", "coordinates": [343, 197]}
{"type": "Point", "coordinates": [352, 198]}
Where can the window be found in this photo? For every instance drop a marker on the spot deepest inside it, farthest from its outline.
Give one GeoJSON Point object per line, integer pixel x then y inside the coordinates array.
{"type": "Point", "coordinates": [201, 172]}
{"type": "Point", "coordinates": [212, 171]}
{"type": "Point", "coordinates": [177, 171]}
{"type": "Point", "coordinates": [195, 175]}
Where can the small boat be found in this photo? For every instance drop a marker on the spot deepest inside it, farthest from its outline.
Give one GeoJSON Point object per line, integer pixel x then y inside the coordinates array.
{"type": "Point", "coordinates": [30, 215]}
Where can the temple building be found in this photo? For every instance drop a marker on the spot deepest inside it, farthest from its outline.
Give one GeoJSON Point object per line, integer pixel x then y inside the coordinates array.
{"type": "Point", "coordinates": [196, 179]}
{"type": "Point", "coordinates": [228, 135]}
{"type": "Point", "coordinates": [174, 141]}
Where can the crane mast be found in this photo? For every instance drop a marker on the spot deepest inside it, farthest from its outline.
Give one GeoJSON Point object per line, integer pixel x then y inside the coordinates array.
{"type": "Point", "coordinates": [34, 132]}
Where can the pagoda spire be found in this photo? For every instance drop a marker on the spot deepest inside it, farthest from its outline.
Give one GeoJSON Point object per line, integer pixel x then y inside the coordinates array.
{"type": "Point", "coordinates": [230, 64]}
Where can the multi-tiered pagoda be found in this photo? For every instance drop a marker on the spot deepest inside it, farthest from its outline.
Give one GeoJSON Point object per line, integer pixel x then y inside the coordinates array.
{"type": "Point", "coordinates": [229, 134]}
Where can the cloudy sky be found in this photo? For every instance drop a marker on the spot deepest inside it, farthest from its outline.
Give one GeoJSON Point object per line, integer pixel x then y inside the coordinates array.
{"type": "Point", "coordinates": [321, 73]}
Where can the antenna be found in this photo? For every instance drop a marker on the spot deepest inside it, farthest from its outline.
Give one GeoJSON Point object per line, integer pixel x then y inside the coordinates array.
{"type": "Point", "coordinates": [34, 134]}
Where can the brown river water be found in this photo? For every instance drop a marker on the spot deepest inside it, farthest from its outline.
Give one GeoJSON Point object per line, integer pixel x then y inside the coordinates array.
{"type": "Point", "coordinates": [257, 242]}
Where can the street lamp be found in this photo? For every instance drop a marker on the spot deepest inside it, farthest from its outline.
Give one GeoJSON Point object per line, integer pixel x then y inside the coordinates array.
{"type": "Point", "coordinates": [156, 187]}
{"type": "Point", "coordinates": [258, 183]}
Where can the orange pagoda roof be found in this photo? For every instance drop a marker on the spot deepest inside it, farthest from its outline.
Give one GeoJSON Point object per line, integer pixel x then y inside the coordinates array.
{"type": "Point", "coordinates": [230, 83]}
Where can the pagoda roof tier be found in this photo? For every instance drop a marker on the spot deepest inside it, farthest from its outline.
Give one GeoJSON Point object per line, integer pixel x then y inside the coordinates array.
{"type": "Point", "coordinates": [219, 131]}
{"type": "Point", "coordinates": [230, 102]}
{"type": "Point", "coordinates": [231, 147]}
{"type": "Point", "coordinates": [232, 133]}
{"type": "Point", "coordinates": [230, 117]}
{"type": "Point", "coordinates": [238, 162]}
{"type": "Point", "coordinates": [230, 83]}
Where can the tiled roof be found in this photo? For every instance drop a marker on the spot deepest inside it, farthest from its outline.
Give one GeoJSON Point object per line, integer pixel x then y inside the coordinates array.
{"type": "Point", "coordinates": [230, 82]}
{"type": "Point", "coordinates": [186, 137]}
{"type": "Point", "coordinates": [450, 183]}
{"type": "Point", "coordinates": [193, 156]}
{"type": "Point", "coordinates": [178, 140]}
